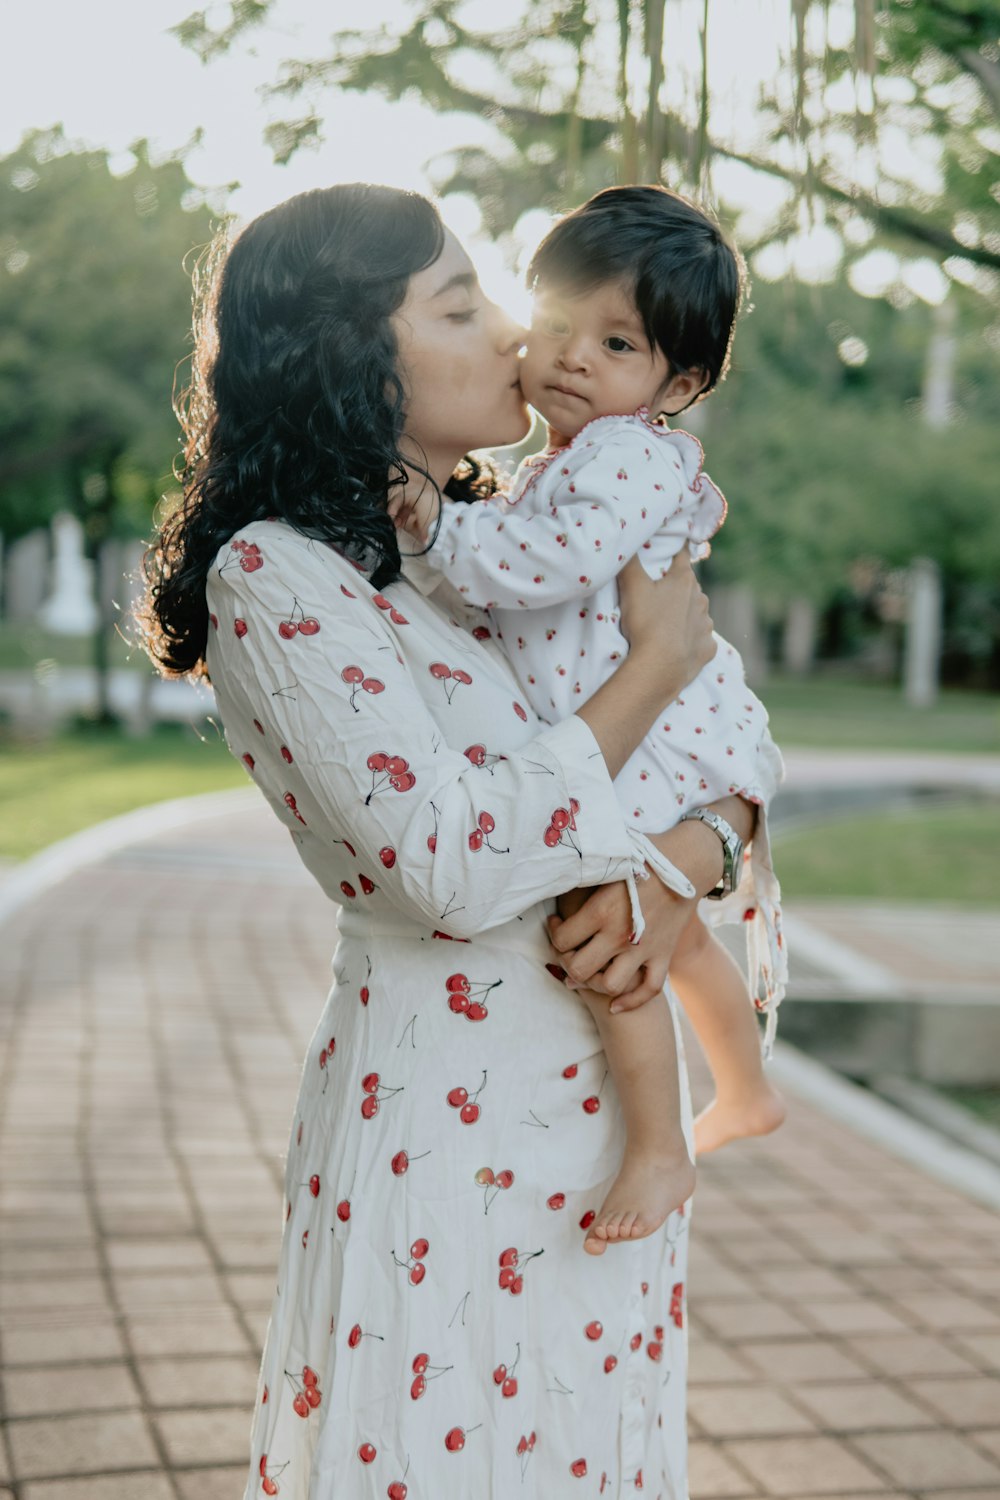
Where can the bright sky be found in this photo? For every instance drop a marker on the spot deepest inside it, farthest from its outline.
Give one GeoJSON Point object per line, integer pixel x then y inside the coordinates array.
{"type": "Point", "coordinates": [110, 73]}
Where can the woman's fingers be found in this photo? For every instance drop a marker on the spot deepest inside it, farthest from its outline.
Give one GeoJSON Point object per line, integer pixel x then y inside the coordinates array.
{"type": "Point", "coordinates": [606, 911]}
{"type": "Point", "coordinates": [646, 985]}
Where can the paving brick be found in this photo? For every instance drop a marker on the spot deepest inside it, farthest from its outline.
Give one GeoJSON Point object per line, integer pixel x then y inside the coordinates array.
{"type": "Point", "coordinates": [793, 1466]}
{"type": "Point", "coordinates": [984, 1349]}
{"type": "Point", "coordinates": [160, 1254]}
{"type": "Point", "coordinates": [50, 1447]}
{"type": "Point", "coordinates": [962, 1403]}
{"type": "Point", "coordinates": [212, 1331]}
{"type": "Point", "coordinates": [863, 1315]}
{"type": "Point", "coordinates": [735, 1411]}
{"type": "Point", "coordinates": [198, 1382]}
{"type": "Point", "coordinates": [220, 1436]}
{"type": "Point", "coordinates": [219, 1483]}
{"type": "Point", "coordinates": [911, 1354]}
{"type": "Point", "coordinates": [861, 1406]}
{"type": "Point", "coordinates": [44, 1344]}
{"type": "Point", "coordinates": [141, 1486]}
{"type": "Point", "coordinates": [732, 1321]}
{"type": "Point", "coordinates": [711, 1363]}
{"type": "Point", "coordinates": [928, 1460]}
{"type": "Point", "coordinates": [712, 1476]}
{"type": "Point", "coordinates": [68, 1388]}
{"type": "Point", "coordinates": [949, 1313]}
{"type": "Point", "coordinates": [795, 1360]}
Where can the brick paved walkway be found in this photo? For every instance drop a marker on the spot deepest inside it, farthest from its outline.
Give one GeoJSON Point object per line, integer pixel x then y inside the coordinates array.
{"type": "Point", "coordinates": [154, 1012]}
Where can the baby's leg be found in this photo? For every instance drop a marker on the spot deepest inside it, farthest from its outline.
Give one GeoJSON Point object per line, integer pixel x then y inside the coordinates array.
{"type": "Point", "coordinates": [713, 991]}
{"type": "Point", "coordinates": [656, 1174]}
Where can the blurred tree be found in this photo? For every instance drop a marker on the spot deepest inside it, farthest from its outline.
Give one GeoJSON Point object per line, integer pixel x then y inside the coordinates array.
{"type": "Point", "coordinates": [578, 91]}
{"type": "Point", "coordinates": [95, 310]}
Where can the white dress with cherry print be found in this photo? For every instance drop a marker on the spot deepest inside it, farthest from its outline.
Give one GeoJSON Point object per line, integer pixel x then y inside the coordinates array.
{"type": "Point", "coordinates": [545, 561]}
{"type": "Point", "coordinates": [437, 1328]}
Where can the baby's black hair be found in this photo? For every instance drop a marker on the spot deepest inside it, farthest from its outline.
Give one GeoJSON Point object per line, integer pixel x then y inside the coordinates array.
{"type": "Point", "coordinates": [687, 279]}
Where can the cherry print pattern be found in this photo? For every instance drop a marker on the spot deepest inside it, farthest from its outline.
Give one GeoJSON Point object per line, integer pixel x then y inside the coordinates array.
{"type": "Point", "coordinates": [493, 1183]}
{"type": "Point", "coordinates": [355, 677]}
{"type": "Point", "coordinates": [467, 1105]}
{"type": "Point", "coordinates": [455, 676]}
{"type": "Point", "coordinates": [371, 1085]}
{"type": "Point", "coordinates": [519, 1203]}
{"type": "Point", "coordinates": [467, 997]}
{"type": "Point", "coordinates": [298, 623]}
{"type": "Point", "coordinates": [394, 771]}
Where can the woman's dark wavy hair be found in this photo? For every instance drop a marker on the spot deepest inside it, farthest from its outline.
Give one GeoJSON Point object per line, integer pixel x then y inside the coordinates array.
{"type": "Point", "coordinates": [687, 279]}
{"type": "Point", "coordinates": [295, 407]}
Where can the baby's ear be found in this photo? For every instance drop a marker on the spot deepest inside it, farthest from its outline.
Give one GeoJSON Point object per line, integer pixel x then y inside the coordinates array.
{"type": "Point", "coordinates": [682, 390]}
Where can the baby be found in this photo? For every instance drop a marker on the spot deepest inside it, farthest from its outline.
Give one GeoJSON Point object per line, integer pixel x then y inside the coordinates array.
{"type": "Point", "coordinates": [636, 294]}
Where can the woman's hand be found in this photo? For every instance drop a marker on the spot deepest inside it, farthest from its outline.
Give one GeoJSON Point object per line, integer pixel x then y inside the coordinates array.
{"type": "Point", "coordinates": [592, 936]}
{"type": "Point", "coordinates": [667, 622]}
{"type": "Point", "coordinates": [592, 930]}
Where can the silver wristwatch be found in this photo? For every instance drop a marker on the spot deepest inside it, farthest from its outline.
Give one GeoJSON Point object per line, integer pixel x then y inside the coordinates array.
{"type": "Point", "coordinates": [732, 846]}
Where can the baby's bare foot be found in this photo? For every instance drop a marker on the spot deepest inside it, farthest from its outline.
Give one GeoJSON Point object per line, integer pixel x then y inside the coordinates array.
{"type": "Point", "coordinates": [727, 1120]}
{"type": "Point", "coordinates": [645, 1192]}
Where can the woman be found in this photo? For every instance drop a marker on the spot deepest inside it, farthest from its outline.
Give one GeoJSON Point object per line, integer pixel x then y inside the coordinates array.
{"type": "Point", "coordinates": [437, 1329]}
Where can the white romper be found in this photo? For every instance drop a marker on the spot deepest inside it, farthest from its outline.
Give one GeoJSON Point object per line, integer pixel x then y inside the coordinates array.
{"type": "Point", "coordinates": [544, 562]}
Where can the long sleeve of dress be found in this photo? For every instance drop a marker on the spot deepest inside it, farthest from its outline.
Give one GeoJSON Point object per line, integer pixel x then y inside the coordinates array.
{"type": "Point", "coordinates": [574, 523]}
{"type": "Point", "coordinates": [347, 752]}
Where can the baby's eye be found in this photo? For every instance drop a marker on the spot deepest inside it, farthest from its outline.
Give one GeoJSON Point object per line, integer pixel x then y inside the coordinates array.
{"type": "Point", "coordinates": [617, 345]}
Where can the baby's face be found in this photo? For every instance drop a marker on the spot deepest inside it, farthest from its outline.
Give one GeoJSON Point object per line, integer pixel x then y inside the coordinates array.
{"type": "Point", "coordinates": [589, 357]}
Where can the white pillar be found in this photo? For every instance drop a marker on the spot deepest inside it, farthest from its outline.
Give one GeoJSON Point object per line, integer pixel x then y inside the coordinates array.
{"type": "Point", "coordinates": [923, 633]}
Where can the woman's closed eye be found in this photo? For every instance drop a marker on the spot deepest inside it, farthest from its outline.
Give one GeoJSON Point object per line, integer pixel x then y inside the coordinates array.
{"type": "Point", "coordinates": [462, 315]}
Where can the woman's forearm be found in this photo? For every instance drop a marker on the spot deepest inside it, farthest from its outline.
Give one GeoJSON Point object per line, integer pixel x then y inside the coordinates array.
{"type": "Point", "coordinates": [697, 850]}
{"type": "Point", "coordinates": [624, 709]}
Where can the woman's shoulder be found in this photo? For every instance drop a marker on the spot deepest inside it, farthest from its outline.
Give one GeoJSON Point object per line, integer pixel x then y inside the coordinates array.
{"type": "Point", "coordinates": [260, 552]}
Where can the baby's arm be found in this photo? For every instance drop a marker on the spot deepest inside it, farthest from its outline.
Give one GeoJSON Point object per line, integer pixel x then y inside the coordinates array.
{"type": "Point", "coordinates": [600, 512]}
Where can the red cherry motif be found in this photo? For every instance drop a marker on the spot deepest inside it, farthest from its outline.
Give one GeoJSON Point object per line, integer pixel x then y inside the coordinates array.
{"type": "Point", "coordinates": [374, 1094]}
{"type": "Point", "coordinates": [348, 889]}
{"type": "Point", "coordinates": [594, 1330]}
{"type": "Point", "coordinates": [240, 627]}
{"type": "Point", "coordinates": [520, 712]}
{"type": "Point", "coordinates": [511, 1278]}
{"type": "Point", "coordinates": [387, 856]}
{"type": "Point", "coordinates": [578, 1467]}
{"type": "Point", "coordinates": [561, 827]}
{"type": "Point", "coordinates": [397, 1490]}
{"type": "Point", "coordinates": [610, 1363]}
{"type": "Point", "coordinates": [492, 1184]}
{"type": "Point", "coordinates": [249, 762]}
{"type": "Point", "coordinates": [655, 1350]}
{"type": "Point", "coordinates": [344, 1210]}
{"type": "Point", "coordinates": [367, 885]}
{"type": "Point", "coordinates": [286, 754]}
{"type": "Point", "coordinates": [635, 1341]}
{"type": "Point", "coordinates": [401, 1162]}
{"type": "Point", "coordinates": [268, 1485]}
{"type": "Point", "coordinates": [214, 619]}
{"type": "Point", "coordinates": [588, 1218]}
{"type": "Point", "coordinates": [447, 675]}
{"type": "Point", "coordinates": [394, 770]}
{"type": "Point", "coordinates": [367, 1452]}
{"type": "Point", "coordinates": [290, 803]}
{"type": "Point", "coordinates": [467, 998]}
{"type": "Point", "coordinates": [556, 1201]}
{"type": "Point", "coordinates": [314, 1187]}
{"type": "Point", "coordinates": [469, 1110]}
{"type": "Point", "coordinates": [677, 1304]}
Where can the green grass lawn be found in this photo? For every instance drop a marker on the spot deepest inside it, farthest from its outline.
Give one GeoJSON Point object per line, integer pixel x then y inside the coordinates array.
{"type": "Point", "coordinates": [983, 1103]}
{"type": "Point", "coordinates": [23, 646]}
{"type": "Point", "coordinates": [52, 789]}
{"type": "Point", "coordinates": [831, 714]}
{"type": "Point", "coordinates": [942, 852]}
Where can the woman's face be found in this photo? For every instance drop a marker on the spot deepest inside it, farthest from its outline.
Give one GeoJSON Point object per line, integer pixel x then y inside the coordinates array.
{"type": "Point", "coordinates": [459, 361]}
